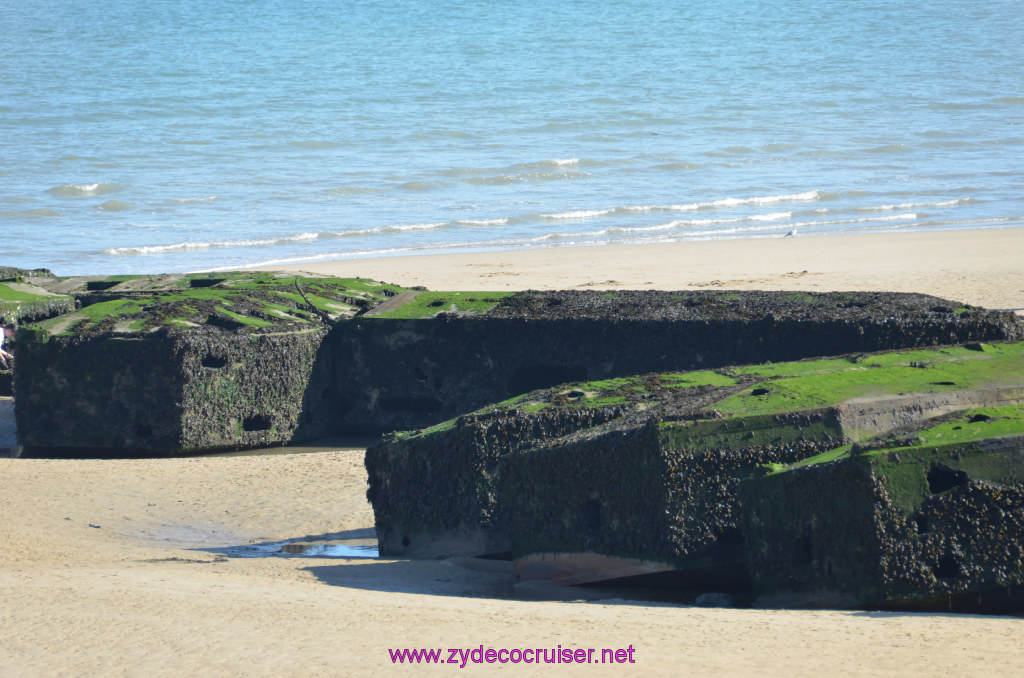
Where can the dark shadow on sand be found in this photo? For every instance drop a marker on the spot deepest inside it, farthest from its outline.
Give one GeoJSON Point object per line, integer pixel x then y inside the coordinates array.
{"type": "Point", "coordinates": [465, 577]}
{"type": "Point", "coordinates": [484, 578]}
{"type": "Point", "coordinates": [456, 577]}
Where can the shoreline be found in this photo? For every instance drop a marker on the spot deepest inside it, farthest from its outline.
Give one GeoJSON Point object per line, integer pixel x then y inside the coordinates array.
{"type": "Point", "coordinates": [980, 267]}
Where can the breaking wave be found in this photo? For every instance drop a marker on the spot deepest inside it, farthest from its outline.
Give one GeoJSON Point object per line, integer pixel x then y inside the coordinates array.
{"type": "Point", "coordinates": [806, 196]}
{"type": "Point", "coordinates": [79, 190]}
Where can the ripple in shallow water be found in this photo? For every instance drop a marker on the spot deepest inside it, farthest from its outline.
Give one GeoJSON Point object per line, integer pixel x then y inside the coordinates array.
{"type": "Point", "coordinates": [336, 548]}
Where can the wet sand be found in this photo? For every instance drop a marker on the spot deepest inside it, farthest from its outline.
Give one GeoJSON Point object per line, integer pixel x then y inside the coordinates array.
{"type": "Point", "coordinates": [131, 567]}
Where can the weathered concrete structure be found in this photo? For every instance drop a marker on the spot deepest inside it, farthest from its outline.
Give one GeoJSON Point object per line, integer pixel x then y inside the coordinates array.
{"type": "Point", "coordinates": [21, 300]}
{"type": "Point", "coordinates": [168, 392]}
{"type": "Point", "coordinates": [436, 494]}
{"type": "Point", "coordinates": [406, 374]}
{"type": "Point", "coordinates": [923, 527]}
{"type": "Point", "coordinates": [737, 479]}
{"type": "Point", "coordinates": [652, 496]}
{"type": "Point", "coordinates": [642, 477]}
{"type": "Point", "coordinates": [184, 364]}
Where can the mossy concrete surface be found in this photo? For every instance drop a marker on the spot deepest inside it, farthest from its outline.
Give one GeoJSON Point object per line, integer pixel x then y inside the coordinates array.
{"type": "Point", "coordinates": [684, 431]}
{"type": "Point", "coordinates": [435, 494]}
{"type": "Point", "coordinates": [177, 364]}
{"type": "Point", "coordinates": [168, 393]}
{"type": "Point", "coordinates": [654, 479]}
{"type": "Point", "coordinates": [426, 304]}
{"type": "Point", "coordinates": [406, 374]}
{"type": "Point", "coordinates": [922, 527]}
{"type": "Point", "coordinates": [23, 299]}
{"type": "Point", "coordinates": [647, 489]}
{"type": "Point", "coordinates": [373, 374]}
{"type": "Point", "coordinates": [253, 301]}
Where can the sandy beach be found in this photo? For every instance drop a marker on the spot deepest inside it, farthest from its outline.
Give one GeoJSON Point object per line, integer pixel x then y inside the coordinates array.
{"type": "Point", "coordinates": [981, 267]}
{"type": "Point", "coordinates": [133, 568]}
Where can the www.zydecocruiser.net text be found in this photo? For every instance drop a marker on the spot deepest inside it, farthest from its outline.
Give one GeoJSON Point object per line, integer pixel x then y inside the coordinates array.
{"type": "Point", "coordinates": [462, 656]}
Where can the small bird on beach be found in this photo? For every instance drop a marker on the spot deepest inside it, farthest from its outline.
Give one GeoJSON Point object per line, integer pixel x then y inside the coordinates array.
{"type": "Point", "coordinates": [790, 234]}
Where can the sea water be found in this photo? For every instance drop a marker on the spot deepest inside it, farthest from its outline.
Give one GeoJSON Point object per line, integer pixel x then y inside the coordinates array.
{"type": "Point", "coordinates": [186, 135]}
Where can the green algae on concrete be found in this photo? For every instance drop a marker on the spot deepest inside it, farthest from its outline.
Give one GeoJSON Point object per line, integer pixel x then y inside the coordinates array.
{"type": "Point", "coordinates": [174, 391]}
{"type": "Point", "coordinates": [23, 301]}
{"type": "Point", "coordinates": [653, 490]}
{"type": "Point", "coordinates": [787, 387]}
{"type": "Point", "coordinates": [239, 300]}
{"type": "Point", "coordinates": [434, 492]}
{"type": "Point", "coordinates": [427, 304]}
{"type": "Point", "coordinates": [756, 392]}
{"type": "Point", "coordinates": [657, 480]}
{"type": "Point", "coordinates": [966, 428]}
{"type": "Point", "coordinates": [416, 477]}
{"type": "Point", "coordinates": [924, 527]}
{"type": "Point", "coordinates": [184, 363]}
{"type": "Point", "coordinates": [394, 373]}
{"type": "Point", "coordinates": [973, 425]}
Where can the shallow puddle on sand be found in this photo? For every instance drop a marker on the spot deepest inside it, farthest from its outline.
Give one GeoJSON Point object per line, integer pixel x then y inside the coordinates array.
{"type": "Point", "coordinates": [351, 548]}
{"type": "Point", "coordinates": [328, 550]}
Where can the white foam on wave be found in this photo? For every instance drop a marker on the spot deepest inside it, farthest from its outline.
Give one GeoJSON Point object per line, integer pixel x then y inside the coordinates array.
{"type": "Point", "coordinates": [526, 177]}
{"type": "Point", "coordinates": [388, 251]}
{"type": "Point", "coordinates": [209, 198]}
{"type": "Point", "coordinates": [671, 225]}
{"type": "Point", "coordinates": [269, 242]}
{"type": "Point", "coordinates": [909, 216]}
{"type": "Point", "coordinates": [80, 190]}
{"type": "Point", "coordinates": [401, 228]}
{"type": "Point", "coordinates": [281, 240]}
{"type": "Point", "coordinates": [557, 163]}
{"type": "Point", "coordinates": [578, 214]}
{"type": "Point", "coordinates": [768, 227]}
{"type": "Point", "coordinates": [482, 222]}
{"type": "Point", "coordinates": [710, 234]}
{"type": "Point", "coordinates": [753, 200]}
{"type": "Point", "coordinates": [430, 226]}
{"type": "Point", "coordinates": [692, 227]}
{"type": "Point", "coordinates": [828, 223]}
{"type": "Point", "coordinates": [960, 223]}
{"type": "Point", "coordinates": [775, 216]}
{"type": "Point", "coordinates": [915, 205]}
{"type": "Point", "coordinates": [192, 246]}
{"type": "Point", "coordinates": [757, 200]}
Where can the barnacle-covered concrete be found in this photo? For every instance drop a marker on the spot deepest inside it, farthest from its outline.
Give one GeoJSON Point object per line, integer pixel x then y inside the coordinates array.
{"type": "Point", "coordinates": [920, 527]}
{"type": "Point", "coordinates": [185, 363]}
{"type": "Point", "coordinates": [641, 477]}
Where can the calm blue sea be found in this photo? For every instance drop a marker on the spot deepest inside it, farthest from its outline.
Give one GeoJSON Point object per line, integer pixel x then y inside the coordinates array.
{"type": "Point", "coordinates": [183, 135]}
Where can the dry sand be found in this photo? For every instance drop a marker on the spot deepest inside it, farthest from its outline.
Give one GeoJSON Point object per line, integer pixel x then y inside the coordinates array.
{"type": "Point", "coordinates": [118, 567]}
{"type": "Point", "coordinates": [985, 267]}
